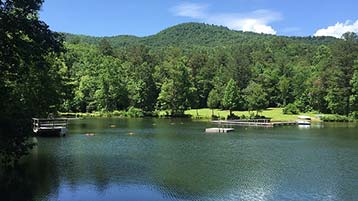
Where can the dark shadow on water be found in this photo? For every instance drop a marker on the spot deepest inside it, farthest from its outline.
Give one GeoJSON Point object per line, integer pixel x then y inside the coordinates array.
{"type": "Point", "coordinates": [29, 181]}
{"type": "Point", "coordinates": [15, 185]}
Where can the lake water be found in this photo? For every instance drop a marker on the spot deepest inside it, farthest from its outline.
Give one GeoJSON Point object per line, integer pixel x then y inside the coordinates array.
{"type": "Point", "coordinates": [163, 159]}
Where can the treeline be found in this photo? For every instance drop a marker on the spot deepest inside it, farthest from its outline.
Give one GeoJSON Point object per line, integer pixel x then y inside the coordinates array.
{"type": "Point", "coordinates": [189, 35]}
{"type": "Point", "coordinates": [319, 74]}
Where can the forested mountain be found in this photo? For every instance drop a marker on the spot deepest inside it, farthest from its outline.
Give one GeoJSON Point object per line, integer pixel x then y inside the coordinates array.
{"type": "Point", "coordinates": [195, 34]}
{"type": "Point", "coordinates": [197, 65]}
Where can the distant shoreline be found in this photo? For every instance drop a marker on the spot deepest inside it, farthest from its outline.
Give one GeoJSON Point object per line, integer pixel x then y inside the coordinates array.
{"type": "Point", "coordinates": [274, 114]}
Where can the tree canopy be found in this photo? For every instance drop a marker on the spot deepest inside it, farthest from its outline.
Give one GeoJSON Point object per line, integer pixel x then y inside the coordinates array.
{"type": "Point", "coordinates": [31, 74]}
{"type": "Point", "coordinates": [191, 65]}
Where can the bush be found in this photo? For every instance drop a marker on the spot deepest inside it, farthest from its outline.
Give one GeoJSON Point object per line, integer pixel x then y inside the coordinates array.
{"type": "Point", "coordinates": [254, 116]}
{"type": "Point", "coordinates": [290, 109]}
{"type": "Point", "coordinates": [260, 117]}
{"type": "Point", "coordinates": [336, 118]}
{"type": "Point", "coordinates": [215, 117]}
{"type": "Point", "coordinates": [232, 116]}
{"type": "Point", "coordinates": [134, 112]}
{"type": "Point", "coordinates": [354, 115]}
{"type": "Point", "coordinates": [302, 106]}
{"type": "Point", "coordinates": [117, 113]}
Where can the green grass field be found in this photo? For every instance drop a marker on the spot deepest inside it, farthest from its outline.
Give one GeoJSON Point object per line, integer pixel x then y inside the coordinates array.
{"type": "Point", "coordinates": [275, 114]}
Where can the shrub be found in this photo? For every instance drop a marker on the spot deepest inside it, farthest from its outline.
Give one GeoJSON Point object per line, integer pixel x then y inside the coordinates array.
{"type": "Point", "coordinates": [290, 109]}
{"type": "Point", "coordinates": [336, 118]}
{"type": "Point", "coordinates": [354, 115]}
{"type": "Point", "coordinates": [302, 105]}
{"type": "Point", "coordinates": [117, 113]}
{"type": "Point", "coordinates": [232, 116]}
{"type": "Point", "coordinates": [135, 112]}
{"type": "Point", "coordinates": [215, 117]}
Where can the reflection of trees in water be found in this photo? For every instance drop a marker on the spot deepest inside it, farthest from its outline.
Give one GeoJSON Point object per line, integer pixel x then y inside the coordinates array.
{"type": "Point", "coordinates": [42, 176]}
{"type": "Point", "coordinates": [15, 185]}
{"type": "Point", "coordinates": [29, 180]}
{"type": "Point", "coordinates": [171, 166]}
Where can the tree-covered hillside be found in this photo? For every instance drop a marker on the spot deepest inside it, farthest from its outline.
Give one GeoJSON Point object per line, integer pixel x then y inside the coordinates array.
{"type": "Point", "coordinates": [197, 65]}
{"type": "Point", "coordinates": [196, 34]}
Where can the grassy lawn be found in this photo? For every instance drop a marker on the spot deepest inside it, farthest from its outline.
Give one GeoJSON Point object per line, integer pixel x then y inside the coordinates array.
{"type": "Point", "coordinates": [275, 114]}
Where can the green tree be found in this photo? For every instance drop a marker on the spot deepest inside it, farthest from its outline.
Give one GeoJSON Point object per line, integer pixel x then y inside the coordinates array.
{"type": "Point", "coordinates": [256, 97]}
{"type": "Point", "coordinates": [231, 97]}
{"type": "Point", "coordinates": [354, 84]}
{"type": "Point", "coordinates": [214, 100]}
{"type": "Point", "coordinates": [176, 91]}
{"type": "Point", "coordinates": [339, 88]}
{"type": "Point", "coordinates": [142, 89]}
{"type": "Point", "coordinates": [105, 47]}
{"type": "Point", "coordinates": [322, 65]}
{"type": "Point", "coordinates": [111, 93]}
{"type": "Point", "coordinates": [30, 83]}
{"type": "Point", "coordinates": [284, 86]}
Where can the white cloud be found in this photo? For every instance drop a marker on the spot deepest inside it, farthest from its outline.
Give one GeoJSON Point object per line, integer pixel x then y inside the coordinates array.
{"type": "Point", "coordinates": [338, 29]}
{"type": "Point", "coordinates": [193, 10]}
{"type": "Point", "coordinates": [257, 21]}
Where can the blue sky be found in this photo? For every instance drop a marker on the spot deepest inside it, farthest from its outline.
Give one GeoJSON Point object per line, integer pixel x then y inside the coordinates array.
{"type": "Point", "coordinates": [147, 17]}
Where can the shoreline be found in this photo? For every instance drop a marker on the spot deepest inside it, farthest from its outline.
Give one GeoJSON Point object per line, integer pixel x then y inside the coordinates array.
{"type": "Point", "coordinates": [204, 114]}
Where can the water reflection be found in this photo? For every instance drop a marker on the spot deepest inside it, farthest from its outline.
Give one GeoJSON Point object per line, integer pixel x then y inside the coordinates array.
{"type": "Point", "coordinates": [175, 160]}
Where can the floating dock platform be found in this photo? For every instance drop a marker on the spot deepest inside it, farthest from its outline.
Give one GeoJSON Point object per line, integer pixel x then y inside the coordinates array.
{"type": "Point", "coordinates": [50, 127]}
{"type": "Point", "coordinates": [255, 123]}
{"type": "Point", "coordinates": [218, 130]}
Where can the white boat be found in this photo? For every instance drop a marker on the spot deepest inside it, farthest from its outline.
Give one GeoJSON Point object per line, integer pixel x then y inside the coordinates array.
{"type": "Point", "coordinates": [303, 120]}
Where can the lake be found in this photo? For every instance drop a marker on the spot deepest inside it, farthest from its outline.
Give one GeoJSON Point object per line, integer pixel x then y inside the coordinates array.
{"type": "Point", "coordinates": [173, 159]}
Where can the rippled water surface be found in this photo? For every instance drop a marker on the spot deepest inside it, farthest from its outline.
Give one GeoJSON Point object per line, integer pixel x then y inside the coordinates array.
{"type": "Point", "coordinates": [162, 159]}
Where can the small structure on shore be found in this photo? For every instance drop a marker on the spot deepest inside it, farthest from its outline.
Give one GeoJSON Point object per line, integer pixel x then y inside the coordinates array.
{"type": "Point", "coordinates": [304, 120]}
{"type": "Point", "coordinates": [50, 126]}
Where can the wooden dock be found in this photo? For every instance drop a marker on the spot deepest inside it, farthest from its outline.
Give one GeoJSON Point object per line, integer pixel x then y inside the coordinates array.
{"type": "Point", "coordinates": [218, 130]}
{"type": "Point", "coordinates": [50, 126]}
{"type": "Point", "coordinates": [254, 123]}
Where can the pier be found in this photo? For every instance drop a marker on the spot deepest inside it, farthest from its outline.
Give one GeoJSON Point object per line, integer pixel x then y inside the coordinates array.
{"type": "Point", "coordinates": [218, 130]}
{"type": "Point", "coordinates": [50, 126]}
{"type": "Point", "coordinates": [254, 123]}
